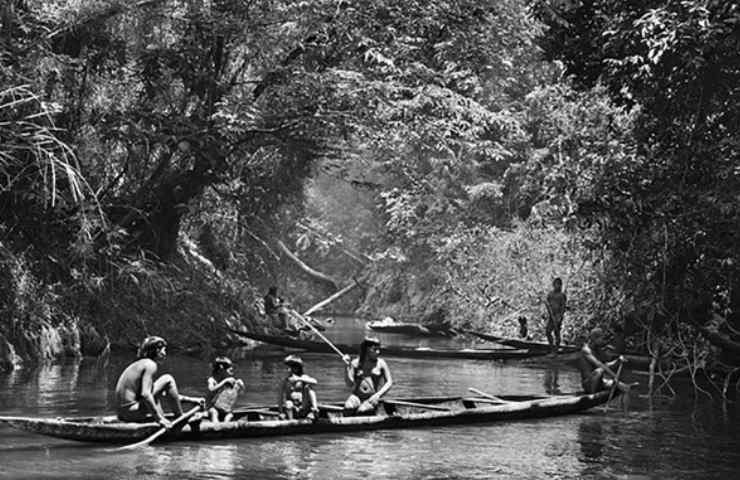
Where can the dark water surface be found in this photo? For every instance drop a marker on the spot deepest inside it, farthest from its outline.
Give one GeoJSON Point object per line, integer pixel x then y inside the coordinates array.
{"type": "Point", "coordinates": [683, 439]}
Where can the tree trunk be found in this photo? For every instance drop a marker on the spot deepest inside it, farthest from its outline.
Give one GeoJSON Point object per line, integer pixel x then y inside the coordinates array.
{"type": "Point", "coordinates": [314, 274]}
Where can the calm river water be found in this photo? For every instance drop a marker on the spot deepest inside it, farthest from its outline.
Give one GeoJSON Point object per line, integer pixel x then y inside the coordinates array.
{"type": "Point", "coordinates": [681, 439]}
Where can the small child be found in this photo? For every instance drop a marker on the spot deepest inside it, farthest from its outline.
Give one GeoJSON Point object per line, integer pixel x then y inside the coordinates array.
{"type": "Point", "coordinates": [523, 333]}
{"type": "Point", "coordinates": [297, 398]}
{"type": "Point", "coordinates": [223, 389]}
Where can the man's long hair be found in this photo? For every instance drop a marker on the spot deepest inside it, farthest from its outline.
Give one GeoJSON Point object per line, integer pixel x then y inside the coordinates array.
{"type": "Point", "coordinates": [150, 346]}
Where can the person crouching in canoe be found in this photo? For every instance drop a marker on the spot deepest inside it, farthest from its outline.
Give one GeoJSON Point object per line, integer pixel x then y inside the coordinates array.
{"type": "Point", "coordinates": [594, 368]}
{"type": "Point", "coordinates": [368, 376]}
{"type": "Point", "coordinates": [297, 399]}
{"type": "Point", "coordinates": [223, 389]}
{"type": "Point", "coordinates": [138, 394]}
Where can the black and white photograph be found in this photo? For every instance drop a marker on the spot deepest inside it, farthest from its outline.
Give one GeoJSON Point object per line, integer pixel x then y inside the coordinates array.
{"type": "Point", "coordinates": [370, 239]}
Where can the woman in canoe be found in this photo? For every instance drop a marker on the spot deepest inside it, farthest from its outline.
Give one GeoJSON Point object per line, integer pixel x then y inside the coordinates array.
{"type": "Point", "coordinates": [368, 376]}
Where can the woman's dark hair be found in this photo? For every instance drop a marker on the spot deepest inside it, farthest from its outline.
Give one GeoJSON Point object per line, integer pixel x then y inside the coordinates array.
{"type": "Point", "coordinates": [365, 346]}
{"type": "Point", "coordinates": [150, 346]}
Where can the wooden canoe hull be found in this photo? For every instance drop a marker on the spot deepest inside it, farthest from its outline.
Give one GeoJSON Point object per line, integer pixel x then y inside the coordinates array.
{"type": "Point", "coordinates": [405, 328]}
{"type": "Point", "coordinates": [414, 329]}
{"type": "Point", "coordinates": [251, 423]}
{"type": "Point", "coordinates": [394, 351]}
{"type": "Point", "coordinates": [566, 353]}
{"type": "Point", "coordinates": [523, 344]}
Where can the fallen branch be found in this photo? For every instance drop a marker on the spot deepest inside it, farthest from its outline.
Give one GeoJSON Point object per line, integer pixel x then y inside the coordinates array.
{"type": "Point", "coordinates": [327, 301]}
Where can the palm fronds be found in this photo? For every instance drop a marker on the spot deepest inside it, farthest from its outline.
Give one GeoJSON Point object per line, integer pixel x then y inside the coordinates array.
{"type": "Point", "coordinates": [31, 153]}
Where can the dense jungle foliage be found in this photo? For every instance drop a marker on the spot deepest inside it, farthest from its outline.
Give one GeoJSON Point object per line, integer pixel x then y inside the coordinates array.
{"type": "Point", "coordinates": [164, 161]}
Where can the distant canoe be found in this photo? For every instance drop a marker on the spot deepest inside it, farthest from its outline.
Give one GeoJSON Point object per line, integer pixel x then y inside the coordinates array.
{"type": "Point", "coordinates": [524, 344]}
{"type": "Point", "coordinates": [566, 353]}
{"type": "Point", "coordinates": [415, 329]}
{"type": "Point", "coordinates": [394, 350]}
{"type": "Point", "coordinates": [263, 421]}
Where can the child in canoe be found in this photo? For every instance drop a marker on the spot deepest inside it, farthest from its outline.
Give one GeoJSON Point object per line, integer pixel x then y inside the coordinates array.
{"type": "Point", "coordinates": [223, 389]}
{"type": "Point", "coordinates": [297, 398]}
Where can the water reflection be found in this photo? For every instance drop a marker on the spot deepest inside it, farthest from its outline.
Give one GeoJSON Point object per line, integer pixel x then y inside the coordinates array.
{"type": "Point", "coordinates": [666, 443]}
{"type": "Point", "coordinates": [550, 379]}
{"type": "Point", "coordinates": [591, 440]}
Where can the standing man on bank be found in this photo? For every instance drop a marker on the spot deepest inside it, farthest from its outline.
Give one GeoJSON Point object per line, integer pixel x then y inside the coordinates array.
{"type": "Point", "coordinates": [556, 304]}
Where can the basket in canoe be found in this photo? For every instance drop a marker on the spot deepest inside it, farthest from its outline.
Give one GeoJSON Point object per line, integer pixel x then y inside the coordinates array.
{"type": "Point", "coordinates": [263, 421]}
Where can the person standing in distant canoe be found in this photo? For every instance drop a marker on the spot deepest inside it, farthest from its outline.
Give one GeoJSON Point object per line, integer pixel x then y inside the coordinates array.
{"type": "Point", "coordinates": [368, 376]}
{"type": "Point", "coordinates": [556, 304]}
{"type": "Point", "coordinates": [223, 389]}
{"type": "Point", "coordinates": [138, 394]}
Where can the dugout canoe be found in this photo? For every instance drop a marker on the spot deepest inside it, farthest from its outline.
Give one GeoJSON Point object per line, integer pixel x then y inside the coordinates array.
{"type": "Point", "coordinates": [261, 422]}
{"type": "Point", "coordinates": [394, 350]}
{"type": "Point", "coordinates": [405, 328]}
{"type": "Point", "coordinates": [521, 344]}
{"type": "Point", "coordinates": [566, 353]}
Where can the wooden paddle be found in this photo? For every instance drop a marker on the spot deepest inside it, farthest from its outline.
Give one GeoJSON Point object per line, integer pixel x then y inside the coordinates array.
{"type": "Point", "coordinates": [327, 301]}
{"type": "Point", "coordinates": [614, 387]}
{"type": "Point", "coordinates": [328, 342]}
{"type": "Point", "coordinates": [179, 420]}
{"type": "Point", "coordinates": [487, 395]}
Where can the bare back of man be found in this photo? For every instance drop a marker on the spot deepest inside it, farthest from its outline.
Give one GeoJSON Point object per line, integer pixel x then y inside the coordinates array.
{"type": "Point", "coordinates": [138, 395]}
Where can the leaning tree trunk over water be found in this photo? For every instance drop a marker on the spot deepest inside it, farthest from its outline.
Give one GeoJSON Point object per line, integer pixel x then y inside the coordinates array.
{"type": "Point", "coordinates": [315, 274]}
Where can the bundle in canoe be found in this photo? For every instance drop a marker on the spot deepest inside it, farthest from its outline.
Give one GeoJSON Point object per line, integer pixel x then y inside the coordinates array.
{"type": "Point", "coordinates": [260, 422]}
{"type": "Point", "coordinates": [394, 351]}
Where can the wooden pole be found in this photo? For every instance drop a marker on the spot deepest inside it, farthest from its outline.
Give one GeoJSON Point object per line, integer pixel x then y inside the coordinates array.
{"type": "Point", "coordinates": [327, 301]}
{"type": "Point", "coordinates": [328, 342]}
{"type": "Point", "coordinates": [181, 419]}
{"type": "Point", "coordinates": [614, 387]}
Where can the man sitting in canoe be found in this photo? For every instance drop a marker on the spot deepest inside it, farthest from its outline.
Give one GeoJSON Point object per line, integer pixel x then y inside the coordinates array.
{"type": "Point", "coordinates": [593, 366]}
{"type": "Point", "coordinates": [138, 394]}
{"type": "Point", "coordinates": [369, 377]}
{"type": "Point", "coordinates": [276, 309]}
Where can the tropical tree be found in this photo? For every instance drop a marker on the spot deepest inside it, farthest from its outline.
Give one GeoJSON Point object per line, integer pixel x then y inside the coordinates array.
{"type": "Point", "coordinates": [669, 210]}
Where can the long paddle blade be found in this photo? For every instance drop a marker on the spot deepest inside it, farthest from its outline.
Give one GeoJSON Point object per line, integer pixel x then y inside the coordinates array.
{"type": "Point", "coordinates": [178, 421]}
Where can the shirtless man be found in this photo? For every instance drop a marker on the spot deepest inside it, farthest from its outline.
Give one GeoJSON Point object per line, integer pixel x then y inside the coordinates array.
{"type": "Point", "coordinates": [555, 304]}
{"type": "Point", "coordinates": [368, 376]}
{"type": "Point", "coordinates": [593, 367]}
{"type": "Point", "coordinates": [138, 393]}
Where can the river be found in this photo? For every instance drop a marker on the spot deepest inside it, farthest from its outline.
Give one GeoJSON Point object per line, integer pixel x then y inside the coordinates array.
{"type": "Point", "coordinates": [684, 438]}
